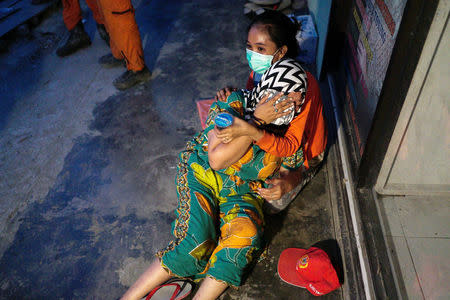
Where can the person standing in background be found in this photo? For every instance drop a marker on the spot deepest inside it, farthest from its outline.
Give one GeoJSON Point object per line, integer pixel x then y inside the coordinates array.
{"type": "Point", "coordinates": [125, 43]}
{"type": "Point", "coordinates": [78, 38]}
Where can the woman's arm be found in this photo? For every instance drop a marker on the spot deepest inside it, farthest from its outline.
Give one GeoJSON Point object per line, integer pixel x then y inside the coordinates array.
{"type": "Point", "coordinates": [278, 187]}
{"type": "Point", "coordinates": [237, 129]}
{"type": "Point", "coordinates": [267, 112]}
{"type": "Point", "coordinates": [281, 146]}
{"type": "Point", "coordinates": [222, 155]}
{"type": "Point", "coordinates": [287, 145]}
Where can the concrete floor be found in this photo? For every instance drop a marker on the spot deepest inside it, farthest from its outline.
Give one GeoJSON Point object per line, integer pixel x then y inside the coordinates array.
{"type": "Point", "coordinates": [87, 172]}
{"type": "Point", "coordinates": [417, 232]}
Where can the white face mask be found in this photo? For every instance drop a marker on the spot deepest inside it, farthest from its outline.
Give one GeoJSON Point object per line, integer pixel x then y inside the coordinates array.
{"type": "Point", "coordinates": [259, 62]}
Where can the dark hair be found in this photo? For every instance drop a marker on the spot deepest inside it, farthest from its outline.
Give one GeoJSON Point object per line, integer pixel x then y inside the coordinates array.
{"type": "Point", "coordinates": [282, 30]}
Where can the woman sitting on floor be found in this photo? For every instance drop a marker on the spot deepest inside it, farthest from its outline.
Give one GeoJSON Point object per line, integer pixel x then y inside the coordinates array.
{"type": "Point", "coordinates": [219, 219]}
{"type": "Point", "coordinates": [271, 37]}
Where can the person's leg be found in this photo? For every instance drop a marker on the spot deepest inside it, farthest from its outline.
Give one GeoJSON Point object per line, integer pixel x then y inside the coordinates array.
{"type": "Point", "coordinates": [71, 13]}
{"type": "Point", "coordinates": [240, 243]}
{"type": "Point", "coordinates": [210, 289]}
{"type": "Point", "coordinates": [116, 57]}
{"type": "Point", "coordinates": [104, 12]}
{"type": "Point", "coordinates": [78, 38]}
{"type": "Point", "coordinates": [124, 33]}
{"type": "Point", "coordinates": [194, 229]}
{"type": "Point", "coordinates": [155, 275]}
{"type": "Point", "coordinates": [98, 17]}
{"type": "Point", "coordinates": [113, 59]}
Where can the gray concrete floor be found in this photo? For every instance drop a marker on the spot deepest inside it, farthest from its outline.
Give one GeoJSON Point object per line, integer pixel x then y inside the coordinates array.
{"type": "Point", "coordinates": [87, 172]}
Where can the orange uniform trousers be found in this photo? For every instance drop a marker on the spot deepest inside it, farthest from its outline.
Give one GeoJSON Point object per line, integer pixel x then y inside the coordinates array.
{"type": "Point", "coordinates": [72, 12]}
{"type": "Point", "coordinates": [125, 40]}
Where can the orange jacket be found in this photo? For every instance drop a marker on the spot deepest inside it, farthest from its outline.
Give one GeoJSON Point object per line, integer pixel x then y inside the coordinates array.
{"type": "Point", "coordinates": [307, 129]}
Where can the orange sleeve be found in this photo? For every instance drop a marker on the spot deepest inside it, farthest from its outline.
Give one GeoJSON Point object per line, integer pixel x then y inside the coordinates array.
{"type": "Point", "coordinates": [250, 83]}
{"type": "Point", "coordinates": [287, 145]}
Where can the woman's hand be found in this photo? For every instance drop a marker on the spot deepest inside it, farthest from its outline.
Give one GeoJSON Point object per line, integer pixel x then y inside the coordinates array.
{"type": "Point", "coordinates": [221, 155]}
{"type": "Point", "coordinates": [269, 111]}
{"type": "Point", "coordinates": [278, 187]}
{"type": "Point", "coordinates": [223, 94]}
{"type": "Point", "coordinates": [237, 129]}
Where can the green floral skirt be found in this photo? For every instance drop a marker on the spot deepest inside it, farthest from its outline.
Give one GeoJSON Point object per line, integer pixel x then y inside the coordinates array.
{"type": "Point", "coordinates": [219, 221]}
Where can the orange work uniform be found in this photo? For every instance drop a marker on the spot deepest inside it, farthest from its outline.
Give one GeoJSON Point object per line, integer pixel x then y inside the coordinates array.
{"type": "Point", "coordinates": [125, 40]}
{"type": "Point", "coordinates": [307, 129]}
{"type": "Point", "coordinates": [72, 12]}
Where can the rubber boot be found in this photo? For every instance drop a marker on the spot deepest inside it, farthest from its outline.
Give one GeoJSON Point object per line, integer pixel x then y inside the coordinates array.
{"type": "Point", "coordinates": [131, 78]}
{"type": "Point", "coordinates": [109, 61]}
{"type": "Point", "coordinates": [78, 39]}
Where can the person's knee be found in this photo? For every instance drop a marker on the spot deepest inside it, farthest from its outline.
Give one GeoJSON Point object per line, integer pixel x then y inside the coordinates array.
{"type": "Point", "coordinates": [239, 232]}
{"type": "Point", "coordinates": [189, 257]}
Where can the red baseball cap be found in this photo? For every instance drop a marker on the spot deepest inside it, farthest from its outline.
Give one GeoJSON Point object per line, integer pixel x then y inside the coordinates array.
{"type": "Point", "coordinates": [310, 269]}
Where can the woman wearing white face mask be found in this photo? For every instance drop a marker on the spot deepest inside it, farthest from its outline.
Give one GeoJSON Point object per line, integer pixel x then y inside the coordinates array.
{"type": "Point", "coordinates": [219, 220]}
{"type": "Point", "coordinates": [259, 62]}
{"type": "Point", "coordinates": [271, 38]}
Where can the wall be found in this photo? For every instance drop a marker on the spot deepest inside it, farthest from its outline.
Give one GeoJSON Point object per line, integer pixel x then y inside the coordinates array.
{"type": "Point", "coordinates": [320, 12]}
{"type": "Point", "coordinates": [417, 161]}
{"type": "Point", "coordinates": [370, 38]}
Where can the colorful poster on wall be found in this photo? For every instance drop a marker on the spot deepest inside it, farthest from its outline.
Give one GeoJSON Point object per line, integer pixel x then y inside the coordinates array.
{"type": "Point", "coordinates": [371, 35]}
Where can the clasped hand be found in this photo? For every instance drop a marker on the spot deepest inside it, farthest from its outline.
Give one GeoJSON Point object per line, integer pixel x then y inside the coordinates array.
{"type": "Point", "coordinates": [278, 187]}
{"type": "Point", "coordinates": [237, 129]}
{"type": "Point", "coordinates": [268, 110]}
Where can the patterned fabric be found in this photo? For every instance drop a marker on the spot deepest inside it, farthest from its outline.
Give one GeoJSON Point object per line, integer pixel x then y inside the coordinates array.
{"type": "Point", "coordinates": [285, 75]}
{"type": "Point", "coordinates": [219, 219]}
{"type": "Point", "coordinates": [294, 161]}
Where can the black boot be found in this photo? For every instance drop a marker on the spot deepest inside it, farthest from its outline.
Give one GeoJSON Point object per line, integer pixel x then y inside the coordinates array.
{"type": "Point", "coordinates": [78, 39]}
{"type": "Point", "coordinates": [130, 78]}
{"type": "Point", "coordinates": [109, 61]}
{"type": "Point", "coordinates": [103, 33]}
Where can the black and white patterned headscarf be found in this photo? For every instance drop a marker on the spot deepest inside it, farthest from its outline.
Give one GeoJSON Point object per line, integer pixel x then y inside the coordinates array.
{"type": "Point", "coordinates": [285, 75]}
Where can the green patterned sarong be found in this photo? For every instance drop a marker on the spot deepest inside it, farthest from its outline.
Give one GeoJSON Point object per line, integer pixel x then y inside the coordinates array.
{"type": "Point", "coordinates": [219, 219]}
